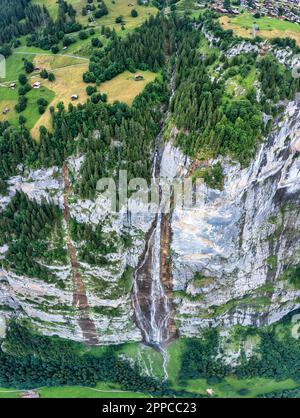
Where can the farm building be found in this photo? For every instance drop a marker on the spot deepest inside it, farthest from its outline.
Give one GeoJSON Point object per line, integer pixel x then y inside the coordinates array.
{"type": "Point", "coordinates": [36, 85]}
{"type": "Point", "coordinates": [30, 394]}
{"type": "Point", "coordinates": [138, 77]}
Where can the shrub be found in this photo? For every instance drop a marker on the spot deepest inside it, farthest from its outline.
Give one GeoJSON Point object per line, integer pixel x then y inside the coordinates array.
{"type": "Point", "coordinates": [90, 90]}
{"type": "Point", "coordinates": [42, 109]}
{"type": "Point", "coordinates": [28, 66]}
{"type": "Point", "coordinates": [51, 77]}
{"type": "Point", "coordinates": [44, 73]}
{"type": "Point", "coordinates": [42, 102]}
{"type": "Point", "coordinates": [22, 79]}
{"type": "Point", "coordinates": [54, 49]}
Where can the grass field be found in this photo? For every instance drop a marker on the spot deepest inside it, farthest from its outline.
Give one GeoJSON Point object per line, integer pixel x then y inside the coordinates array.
{"type": "Point", "coordinates": [150, 360]}
{"type": "Point", "coordinates": [31, 112]}
{"type": "Point", "coordinates": [51, 6]}
{"type": "Point", "coordinates": [52, 62]}
{"type": "Point", "coordinates": [102, 390]}
{"type": "Point", "coordinates": [124, 88]}
{"type": "Point", "coordinates": [118, 8]}
{"type": "Point", "coordinates": [9, 98]}
{"type": "Point", "coordinates": [189, 7]}
{"type": "Point", "coordinates": [9, 393]}
{"type": "Point", "coordinates": [269, 27]}
{"type": "Point", "coordinates": [81, 48]}
{"type": "Point", "coordinates": [15, 66]}
{"type": "Point", "coordinates": [122, 8]}
{"type": "Point", "coordinates": [239, 86]}
{"type": "Point", "coordinates": [68, 71]}
{"type": "Point", "coordinates": [68, 81]}
{"type": "Point", "coordinates": [229, 387]}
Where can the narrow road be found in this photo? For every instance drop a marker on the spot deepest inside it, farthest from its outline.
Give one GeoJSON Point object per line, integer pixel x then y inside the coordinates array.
{"type": "Point", "coordinates": [80, 300]}
{"type": "Point", "coordinates": [51, 55]}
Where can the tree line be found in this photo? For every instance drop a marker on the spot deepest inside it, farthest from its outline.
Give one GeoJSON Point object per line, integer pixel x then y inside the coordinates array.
{"type": "Point", "coordinates": [25, 226]}
{"type": "Point", "coordinates": [20, 17]}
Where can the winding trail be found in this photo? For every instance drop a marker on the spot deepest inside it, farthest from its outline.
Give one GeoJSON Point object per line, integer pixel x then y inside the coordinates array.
{"type": "Point", "coordinates": [51, 55]}
{"type": "Point", "coordinates": [80, 300]}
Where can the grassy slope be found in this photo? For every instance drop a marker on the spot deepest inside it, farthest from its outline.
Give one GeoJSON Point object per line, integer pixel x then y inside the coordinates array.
{"type": "Point", "coordinates": [102, 390]}
{"type": "Point", "coordinates": [9, 98]}
{"type": "Point", "coordinates": [15, 66]}
{"type": "Point", "coordinates": [51, 6]}
{"type": "Point", "coordinates": [124, 88]}
{"type": "Point", "coordinates": [227, 388]}
{"type": "Point", "coordinates": [68, 81]}
{"type": "Point", "coordinates": [269, 27]}
{"type": "Point", "coordinates": [246, 20]}
{"type": "Point", "coordinates": [65, 68]}
{"type": "Point", "coordinates": [121, 8]}
{"type": "Point", "coordinates": [31, 113]}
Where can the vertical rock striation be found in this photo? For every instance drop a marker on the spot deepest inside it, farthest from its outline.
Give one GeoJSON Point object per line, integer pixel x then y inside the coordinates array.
{"type": "Point", "coordinates": [231, 250]}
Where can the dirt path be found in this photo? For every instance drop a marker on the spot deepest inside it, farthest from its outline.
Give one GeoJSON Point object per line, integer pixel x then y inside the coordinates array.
{"type": "Point", "coordinates": [80, 300]}
{"type": "Point", "coordinates": [51, 55]}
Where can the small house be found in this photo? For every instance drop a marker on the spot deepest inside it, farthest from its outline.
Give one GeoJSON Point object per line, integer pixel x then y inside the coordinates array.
{"type": "Point", "coordinates": [74, 97]}
{"type": "Point", "coordinates": [36, 85]}
{"type": "Point", "coordinates": [12, 85]}
{"type": "Point", "coordinates": [138, 77]}
{"type": "Point", "coordinates": [210, 392]}
{"type": "Point", "coordinates": [30, 394]}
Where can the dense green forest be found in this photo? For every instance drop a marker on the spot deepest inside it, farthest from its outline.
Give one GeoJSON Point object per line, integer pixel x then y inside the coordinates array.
{"type": "Point", "coordinates": [277, 355]}
{"type": "Point", "coordinates": [30, 360]}
{"type": "Point", "coordinates": [20, 17]}
{"type": "Point", "coordinates": [143, 49]}
{"type": "Point", "coordinates": [25, 226]}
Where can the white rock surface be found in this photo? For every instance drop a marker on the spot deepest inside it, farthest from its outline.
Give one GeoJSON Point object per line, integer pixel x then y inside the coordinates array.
{"type": "Point", "coordinates": [229, 237]}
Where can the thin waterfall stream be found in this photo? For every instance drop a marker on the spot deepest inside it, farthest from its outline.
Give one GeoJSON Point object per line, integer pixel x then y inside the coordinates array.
{"type": "Point", "coordinates": [152, 289]}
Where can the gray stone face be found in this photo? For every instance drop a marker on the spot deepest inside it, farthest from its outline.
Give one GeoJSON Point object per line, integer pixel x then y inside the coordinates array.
{"type": "Point", "coordinates": [242, 238]}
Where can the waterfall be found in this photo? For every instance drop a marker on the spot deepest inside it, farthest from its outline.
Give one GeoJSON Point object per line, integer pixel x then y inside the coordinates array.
{"type": "Point", "coordinates": [150, 298]}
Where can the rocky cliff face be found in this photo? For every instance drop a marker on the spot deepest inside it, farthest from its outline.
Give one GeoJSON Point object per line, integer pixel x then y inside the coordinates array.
{"type": "Point", "coordinates": [107, 287]}
{"type": "Point", "coordinates": [229, 253]}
